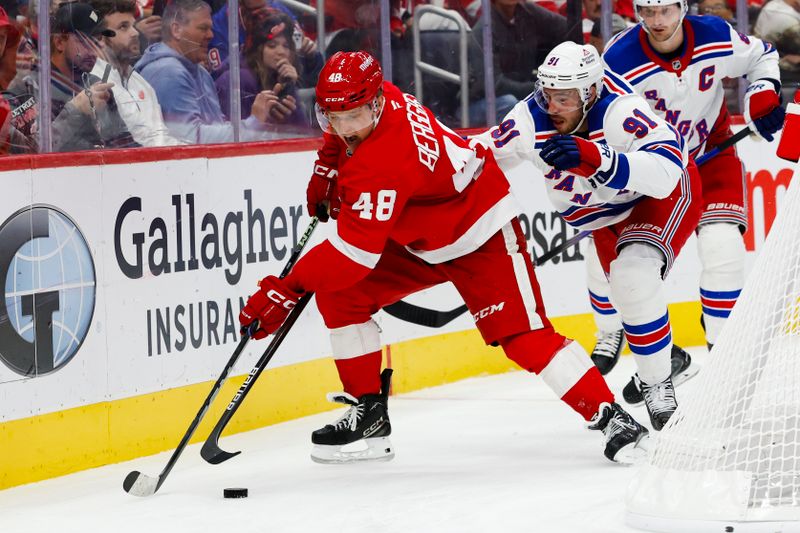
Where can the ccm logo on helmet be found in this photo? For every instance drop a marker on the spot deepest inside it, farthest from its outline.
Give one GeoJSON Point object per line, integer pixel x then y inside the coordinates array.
{"type": "Point", "coordinates": [280, 299]}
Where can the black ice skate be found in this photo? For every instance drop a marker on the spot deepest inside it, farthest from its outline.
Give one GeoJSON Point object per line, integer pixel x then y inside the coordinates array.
{"type": "Point", "coordinates": [626, 439]}
{"type": "Point", "coordinates": [682, 371]}
{"type": "Point", "coordinates": [367, 420]}
{"type": "Point", "coordinates": [607, 349]}
{"type": "Point", "coordinates": [659, 400]}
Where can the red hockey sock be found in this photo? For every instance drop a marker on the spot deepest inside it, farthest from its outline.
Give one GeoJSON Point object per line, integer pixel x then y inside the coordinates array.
{"type": "Point", "coordinates": [588, 393]}
{"type": "Point", "coordinates": [564, 366]}
{"type": "Point", "coordinates": [361, 375]}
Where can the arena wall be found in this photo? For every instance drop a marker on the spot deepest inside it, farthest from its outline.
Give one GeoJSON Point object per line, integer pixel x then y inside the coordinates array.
{"type": "Point", "coordinates": [134, 265]}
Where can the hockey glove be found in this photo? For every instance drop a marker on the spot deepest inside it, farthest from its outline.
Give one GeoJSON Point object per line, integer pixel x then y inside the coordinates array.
{"type": "Point", "coordinates": [585, 158]}
{"type": "Point", "coordinates": [322, 194]}
{"type": "Point", "coordinates": [762, 108]}
{"type": "Point", "coordinates": [269, 305]}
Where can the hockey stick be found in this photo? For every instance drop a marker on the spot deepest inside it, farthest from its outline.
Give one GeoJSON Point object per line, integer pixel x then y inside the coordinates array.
{"type": "Point", "coordinates": [422, 316]}
{"type": "Point", "coordinates": [139, 484]}
{"type": "Point", "coordinates": [211, 451]}
{"type": "Point", "coordinates": [727, 143]}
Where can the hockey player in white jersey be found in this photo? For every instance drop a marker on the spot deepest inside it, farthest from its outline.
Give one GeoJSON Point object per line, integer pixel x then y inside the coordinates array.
{"type": "Point", "coordinates": [612, 166]}
{"type": "Point", "coordinates": [678, 63]}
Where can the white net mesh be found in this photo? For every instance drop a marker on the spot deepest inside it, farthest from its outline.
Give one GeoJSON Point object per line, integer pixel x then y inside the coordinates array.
{"type": "Point", "coordinates": [731, 452]}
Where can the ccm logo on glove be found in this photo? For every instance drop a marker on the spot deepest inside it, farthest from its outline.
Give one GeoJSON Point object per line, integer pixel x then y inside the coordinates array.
{"type": "Point", "coordinates": [280, 299]}
{"type": "Point", "coordinates": [269, 306]}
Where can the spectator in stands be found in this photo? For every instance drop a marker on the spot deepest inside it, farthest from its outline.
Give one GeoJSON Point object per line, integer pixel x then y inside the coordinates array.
{"type": "Point", "coordinates": [148, 22]}
{"type": "Point", "coordinates": [149, 29]}
{"type": "Point", "coordinates": [269, 66]}
{"type": "Point", "coordinates": [17, 111]}
{"type": "Point", "coordinates": [469, 9]}
{"type": "Point", "coordinates": [522, 35]}
{"type": "Point", "coordinates": [185, 90]}
{"type": "Point", "coordinates": [779, 23]}
{"type": "Point", "coordinates": [83, 108]}
{"type": "Point", "coordinates": [618, 24]}
{"type": "Point", "coordinates": [9, 38]}
{"type": "Point", "coordinates": [252, 14]}
{"type": "Point", "coordinates": [592, 10]}
{"type": "Point", "coordinates": [717, 8]}
{"type": "Point", "coordinates": [788, 46]}
{"type": "Point", "coordinates": [136, 100]}
{"type": "Point", "coordinates": [27, 50]}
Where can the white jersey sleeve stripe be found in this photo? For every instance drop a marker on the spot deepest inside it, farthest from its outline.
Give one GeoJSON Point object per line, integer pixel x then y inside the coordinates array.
{"type": "Point", "coordinates": [474, 237]}
{"type": "Point", "coordinates": [357, 255]}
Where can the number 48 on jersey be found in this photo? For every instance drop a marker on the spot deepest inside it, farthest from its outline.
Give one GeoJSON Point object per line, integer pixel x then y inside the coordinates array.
{"type": "Point", "coordinates": [383, 206]}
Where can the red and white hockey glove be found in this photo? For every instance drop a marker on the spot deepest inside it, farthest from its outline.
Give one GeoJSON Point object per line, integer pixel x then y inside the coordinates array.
{"type": "Point", "coordinates": [585, 158]}
{"type": "Point", "coordinates": [322, 194]}
{"type": "Point", "coordinates": [762, 108]}
{"type": "Point", "coordinates": [789, 147]}
{"type": "Point", "coordinates": [269, 305]}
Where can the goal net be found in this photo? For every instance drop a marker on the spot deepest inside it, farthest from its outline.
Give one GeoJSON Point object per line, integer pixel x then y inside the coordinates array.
{"type": "Point", "coordinates": [729, 459]}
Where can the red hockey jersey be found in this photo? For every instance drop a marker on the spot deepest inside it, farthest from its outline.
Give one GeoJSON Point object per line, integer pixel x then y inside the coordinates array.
{"type": "Point", "coordinates": [413, 181]}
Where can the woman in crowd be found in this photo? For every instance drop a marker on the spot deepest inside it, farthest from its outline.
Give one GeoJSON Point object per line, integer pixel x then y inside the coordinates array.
{"type": "Point", "coordinates": [269, 66]}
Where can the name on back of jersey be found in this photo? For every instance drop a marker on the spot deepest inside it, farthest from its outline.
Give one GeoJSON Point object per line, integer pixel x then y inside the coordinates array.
{"type": "Point", "coordinates": [421, 129]}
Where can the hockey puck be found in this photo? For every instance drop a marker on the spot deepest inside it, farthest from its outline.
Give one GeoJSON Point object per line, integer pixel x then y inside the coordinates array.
{"type": "Point", "coordinates": [235, 493]}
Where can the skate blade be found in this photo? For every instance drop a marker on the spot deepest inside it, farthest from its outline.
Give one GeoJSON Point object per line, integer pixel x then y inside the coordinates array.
{"type": "Point", "coordinates": [377, 449]}
{"type": "Point", "coordinates": [634, 453]}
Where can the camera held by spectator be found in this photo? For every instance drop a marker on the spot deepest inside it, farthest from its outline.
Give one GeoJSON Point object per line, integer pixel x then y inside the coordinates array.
{"type": "Point", "coordinates": [269, 74]}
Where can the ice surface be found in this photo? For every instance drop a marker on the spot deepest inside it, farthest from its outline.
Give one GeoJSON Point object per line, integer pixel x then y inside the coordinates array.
{"type": "Point", "coordinates": [488, 454]}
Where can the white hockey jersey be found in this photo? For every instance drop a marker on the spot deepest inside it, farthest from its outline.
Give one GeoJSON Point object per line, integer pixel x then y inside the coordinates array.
{"type": "Point", "coordinates": [687, 91]}
{"type": "Point", "coordinates": [650, 155]}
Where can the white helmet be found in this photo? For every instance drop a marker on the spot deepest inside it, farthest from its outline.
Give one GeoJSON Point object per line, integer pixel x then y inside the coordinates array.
{"type": "Point", "coordinates": [653, 3]}
{"type": "Point", "coordinates": [572, 66]}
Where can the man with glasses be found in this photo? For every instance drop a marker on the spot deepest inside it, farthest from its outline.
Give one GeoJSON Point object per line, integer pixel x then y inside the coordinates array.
{"type": "Point", "coordinates": [184, 88]}
{"type": "Point", "coordinates": [678, 63]}
{"type": "Point", "coordinates": [84, 111]}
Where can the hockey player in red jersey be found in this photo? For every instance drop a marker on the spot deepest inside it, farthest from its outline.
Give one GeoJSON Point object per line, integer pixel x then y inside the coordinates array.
{"type": "Point", "coordinates": [419, 207]}
{"type": "Point", "coordinates": [678, 63]}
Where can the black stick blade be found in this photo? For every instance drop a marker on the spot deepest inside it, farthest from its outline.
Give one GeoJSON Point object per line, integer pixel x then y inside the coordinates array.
{"type": "Point", "coordinates": [139, 484]}
{"type": "Point", "coordinates": [422, 316]}
{"type": "Point", "coordinates": [215, 455]}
